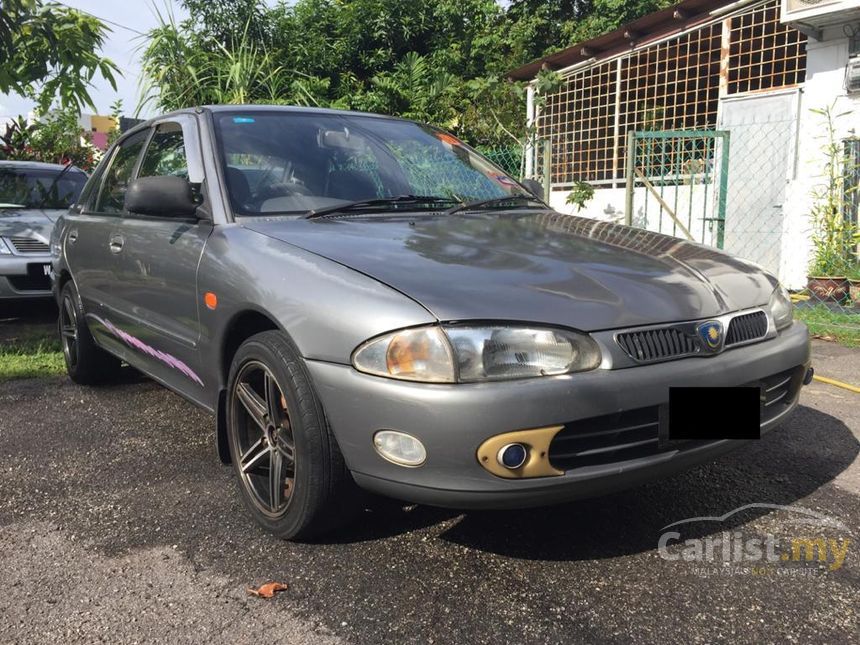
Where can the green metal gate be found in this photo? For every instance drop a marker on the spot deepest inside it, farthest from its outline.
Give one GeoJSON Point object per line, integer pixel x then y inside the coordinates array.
{"type": "Point", "coordinates": [677, 182]}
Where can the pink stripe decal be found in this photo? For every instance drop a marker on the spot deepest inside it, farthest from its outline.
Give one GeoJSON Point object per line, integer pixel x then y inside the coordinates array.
{"type": "Point", "coordinates": [136, 343]}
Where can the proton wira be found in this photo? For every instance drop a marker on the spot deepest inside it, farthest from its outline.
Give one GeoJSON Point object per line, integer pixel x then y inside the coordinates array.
{"type": "Point", "coordinates": [366, 303]}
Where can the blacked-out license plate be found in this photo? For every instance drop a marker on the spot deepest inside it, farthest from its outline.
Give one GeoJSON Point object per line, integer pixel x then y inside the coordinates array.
{"type": "Point", "coordinates": [39, 270]}
{"type": "Point", "coordinates": [711, 413]}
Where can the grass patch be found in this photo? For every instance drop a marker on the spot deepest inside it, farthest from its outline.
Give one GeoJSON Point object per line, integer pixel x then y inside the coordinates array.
{"type": "Point", "coordinates": [31, 353]}
{"type": "Point", "coordinates": [822, 321]}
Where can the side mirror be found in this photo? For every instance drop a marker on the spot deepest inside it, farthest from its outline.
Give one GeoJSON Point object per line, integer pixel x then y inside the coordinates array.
{"type": "Point", "coordinates": [164, 196]}
{"type": "Point", "coordinates": [534, 187]}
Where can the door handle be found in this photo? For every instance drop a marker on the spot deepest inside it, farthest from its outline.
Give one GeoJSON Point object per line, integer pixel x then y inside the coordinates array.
{"type": "Point", "coordinates": [73, 236]}
{"type": "Point", "coordinates": [116, 243]}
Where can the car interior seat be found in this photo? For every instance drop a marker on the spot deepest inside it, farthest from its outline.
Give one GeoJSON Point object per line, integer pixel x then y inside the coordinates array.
{"type": "Point", "coordinates": [351, 185]}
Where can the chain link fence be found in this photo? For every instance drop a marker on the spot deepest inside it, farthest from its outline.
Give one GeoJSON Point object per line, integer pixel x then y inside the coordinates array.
{"type": "Point", "coordinates": [794, 212]}
{"type": "Point", "coordinates": [746, 188]}
{"type": "Point", "coordinates": [522, 161]}
{"type": "Point", "coordinates": [508, 158]}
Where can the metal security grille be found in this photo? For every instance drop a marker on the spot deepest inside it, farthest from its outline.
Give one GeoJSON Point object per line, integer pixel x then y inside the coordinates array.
{"type": "Point", "coordinates": [581, 120]}
{"type": "Point", "coordinates": [672, 84]}
{"type": "Point", "coordinates": [764, 53]}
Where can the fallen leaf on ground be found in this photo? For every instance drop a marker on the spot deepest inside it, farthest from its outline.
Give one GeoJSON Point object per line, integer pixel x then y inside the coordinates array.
{"type": "Point", "coordinates": [267, 590]}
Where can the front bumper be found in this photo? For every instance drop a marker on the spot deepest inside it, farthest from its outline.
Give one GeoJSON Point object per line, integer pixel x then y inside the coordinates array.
{"type": "Point", "coordinates": [22, 276]}
{"type": "Point", "coordinates": [453, 420]}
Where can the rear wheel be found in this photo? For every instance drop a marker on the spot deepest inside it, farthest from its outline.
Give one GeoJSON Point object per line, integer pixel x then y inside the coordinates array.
{"type": "Point", "coordinates": [291, 473]}
{"type": "Point", "coordinates": [86, 362]}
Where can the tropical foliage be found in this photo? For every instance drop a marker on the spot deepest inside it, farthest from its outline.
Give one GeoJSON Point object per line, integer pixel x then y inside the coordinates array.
{"type": "Point", "coordinates": [49, 52]}
{"type": "Point", "coordinates": [56, 138]}
{"type": "Point", "coordinates": [442, 61]}
{"type": "Point", "coordinates": [834, 235]}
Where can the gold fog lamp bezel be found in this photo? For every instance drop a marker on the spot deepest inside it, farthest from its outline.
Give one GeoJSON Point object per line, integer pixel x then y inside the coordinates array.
{"type": "Point", "coordinates": [537, 463]}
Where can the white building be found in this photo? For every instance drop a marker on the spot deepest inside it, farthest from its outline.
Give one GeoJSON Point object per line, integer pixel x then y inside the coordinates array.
{"type": "Point", "coordinates": [716, 99]}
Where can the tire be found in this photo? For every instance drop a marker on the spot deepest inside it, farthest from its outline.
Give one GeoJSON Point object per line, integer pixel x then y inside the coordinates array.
{"type": "Point", "coordinates": [291, 473]}
{"type": "Point", "coordinates": [86, 362]}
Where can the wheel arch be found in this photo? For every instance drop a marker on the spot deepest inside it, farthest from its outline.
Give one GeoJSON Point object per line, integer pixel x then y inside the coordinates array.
{"type": "Point", "coordinates": [242, 326]}
{"type": "Point", "coordinates": [63, 277]}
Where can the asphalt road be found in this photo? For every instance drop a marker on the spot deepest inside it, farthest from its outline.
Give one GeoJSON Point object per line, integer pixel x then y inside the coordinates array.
{"type": "Point", "coordinates": [117, 523]}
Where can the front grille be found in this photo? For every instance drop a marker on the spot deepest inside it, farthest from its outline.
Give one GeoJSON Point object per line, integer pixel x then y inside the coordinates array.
{"type": "Point", "coordinates": [747, 327]}
{"type": "Point", "coordinates": [606, 439]}
{"type": "Point", "coordinates": [657, 344]}
{"type": "Point", "coordinates": [28, 245]}
{"type": "Point", "coordinates": [682, 339]}
{"type": "Point", "coordinates": [778, 391]}
{"type": "Point", "coordinates": [633, 434]}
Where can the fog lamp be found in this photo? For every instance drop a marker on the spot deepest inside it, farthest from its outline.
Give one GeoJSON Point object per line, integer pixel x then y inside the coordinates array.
{"type": "Point", "coordinates": [399, 448]}
{"type": "Point", "coordinates": [512, 456]}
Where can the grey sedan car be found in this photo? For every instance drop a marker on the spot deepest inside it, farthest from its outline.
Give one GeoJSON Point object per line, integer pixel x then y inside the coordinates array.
{"type": "Point", "coordinates": [366, 304]}
{"type": "Point", "coordinates": [32, 196]}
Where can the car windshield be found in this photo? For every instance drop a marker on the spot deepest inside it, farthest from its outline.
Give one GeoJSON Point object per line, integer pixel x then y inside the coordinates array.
{"type": "Point", "coordinates": [40, 187]}
{"type": "Point", "coordinates": [296, 162]}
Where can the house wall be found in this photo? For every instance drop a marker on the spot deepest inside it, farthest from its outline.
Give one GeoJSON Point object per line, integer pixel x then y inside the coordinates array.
{"type": "Point", "coordinates": [825, 77]}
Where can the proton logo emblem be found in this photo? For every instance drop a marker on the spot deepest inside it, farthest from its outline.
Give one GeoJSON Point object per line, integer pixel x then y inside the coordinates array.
{"type": "Point", "coordinates": [711, 333]}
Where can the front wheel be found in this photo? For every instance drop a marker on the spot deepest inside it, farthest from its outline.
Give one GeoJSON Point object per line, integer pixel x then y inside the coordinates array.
{"type": "Point", "coordinates": [291, 473]}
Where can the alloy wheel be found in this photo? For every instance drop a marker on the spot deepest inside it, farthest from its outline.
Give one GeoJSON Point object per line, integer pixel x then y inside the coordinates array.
{"type": "Point", "coordinates": [69, 330]}
{"type": "Point", "coordinates": [263, 438]}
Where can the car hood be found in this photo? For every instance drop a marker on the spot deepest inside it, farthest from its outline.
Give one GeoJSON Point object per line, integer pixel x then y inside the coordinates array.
{"type": "Point", "coordinates": [28, 222]}
{"type": "Point", "coordinates": [540, 267]}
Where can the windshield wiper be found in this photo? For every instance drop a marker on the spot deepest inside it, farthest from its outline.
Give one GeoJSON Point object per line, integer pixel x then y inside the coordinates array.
{"type": "Point", "coordinates": [383, 201]}
{"type": "Point", "coordinates": [495, 201]}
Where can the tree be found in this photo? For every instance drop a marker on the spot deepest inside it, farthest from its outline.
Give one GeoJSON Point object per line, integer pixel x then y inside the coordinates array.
{"type": "Point", "coordinates": [48, 52]}
{"type": "Point", "coordinates": [442, 61]}
{"type": "Point", "coordinates": [57, 138]}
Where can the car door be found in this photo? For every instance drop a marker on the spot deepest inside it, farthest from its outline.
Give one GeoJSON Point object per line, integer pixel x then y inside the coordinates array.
{"type": "Point", "coordinates": [158, 259]}
{"type": "Point", "coordinates": [87, 237]}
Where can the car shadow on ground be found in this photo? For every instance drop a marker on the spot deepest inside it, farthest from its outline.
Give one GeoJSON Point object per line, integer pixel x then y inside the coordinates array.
{"type": "Point", "coordinates": [26, 317]}
{"type": "Point", "coordinates": [37, 310]}
{"type": "Point", "coordinates": [787, 464]}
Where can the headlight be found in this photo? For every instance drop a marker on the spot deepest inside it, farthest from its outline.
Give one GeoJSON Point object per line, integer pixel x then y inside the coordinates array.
{"type": "Point", "coordinates": [470, 353]}
{"type": "Point", "coordinates": [4, 248]}
{"type": "Point", "coordinates": [781, 308]}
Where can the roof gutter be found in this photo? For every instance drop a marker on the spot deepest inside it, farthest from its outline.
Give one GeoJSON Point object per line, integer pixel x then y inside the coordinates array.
{"type": "Point", "coordinates": [720, 11]}
{"type": "Point", "coordinates": [723, 11]}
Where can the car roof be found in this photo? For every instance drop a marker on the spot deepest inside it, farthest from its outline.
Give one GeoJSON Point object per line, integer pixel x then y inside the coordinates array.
{"type": "Point", "coordinates": [255, 107]}
{"type": "Point", "coordinates": [35, 165]}
{"type": "Point", "coordinates": [294, 108]}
